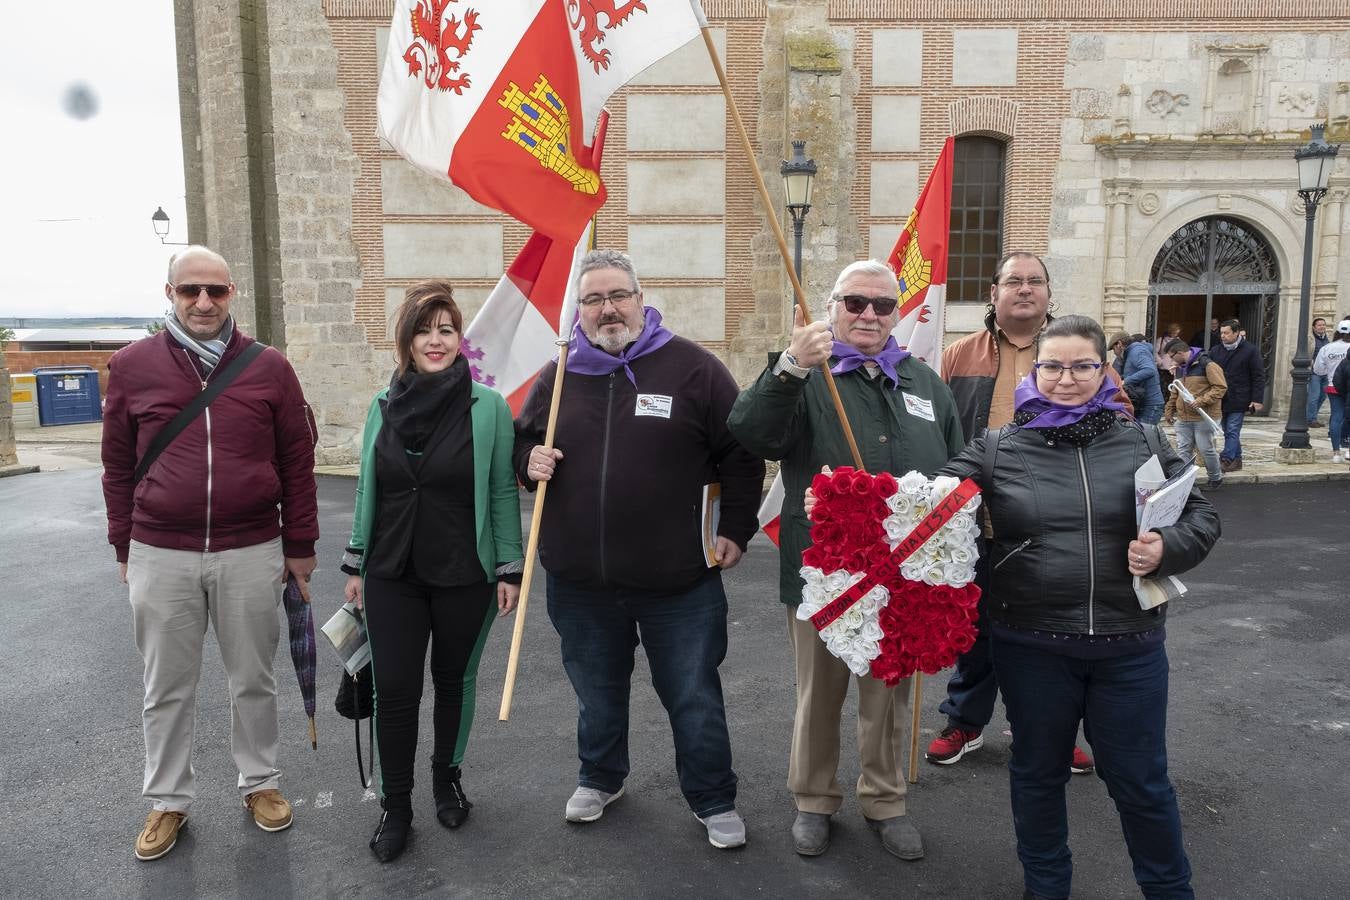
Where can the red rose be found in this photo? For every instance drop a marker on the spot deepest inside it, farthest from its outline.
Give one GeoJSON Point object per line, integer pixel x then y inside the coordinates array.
{"type": "Point", "coordinates": [884, 485]}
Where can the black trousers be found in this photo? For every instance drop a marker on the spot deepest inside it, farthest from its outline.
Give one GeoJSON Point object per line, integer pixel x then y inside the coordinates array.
{"type": "Point", "coordinates": [402, 617]}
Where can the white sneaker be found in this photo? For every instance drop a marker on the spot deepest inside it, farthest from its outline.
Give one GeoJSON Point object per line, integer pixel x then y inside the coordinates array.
{"type": "Point", "coordinates": [1337, 457]}
{"type": "Point", "coordinates": [725, 830]}
{"type": "Point", "coordinates": [588, 804]}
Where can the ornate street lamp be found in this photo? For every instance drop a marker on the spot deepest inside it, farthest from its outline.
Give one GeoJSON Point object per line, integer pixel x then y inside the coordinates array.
{"type": "Point", "coordinates": [160, 221]}
{"type": "Point", "coordinates": [797, 174]}
{"type": "Point", "coordinates": [1315, 161]}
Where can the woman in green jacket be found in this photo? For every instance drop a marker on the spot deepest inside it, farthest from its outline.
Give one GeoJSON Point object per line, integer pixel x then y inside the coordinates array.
{"type": "Point", "coordinates": [435, 551]}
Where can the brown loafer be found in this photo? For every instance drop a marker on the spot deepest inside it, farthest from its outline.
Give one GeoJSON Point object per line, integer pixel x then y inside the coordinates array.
{"type": "Point", "coordinates": [270, 810]}
{"type": "Point", "coordinates": [159, 834]}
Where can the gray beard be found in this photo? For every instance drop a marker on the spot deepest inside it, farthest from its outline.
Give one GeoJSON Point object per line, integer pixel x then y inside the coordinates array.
{"type": "Point", "coordinates": [615, 342]}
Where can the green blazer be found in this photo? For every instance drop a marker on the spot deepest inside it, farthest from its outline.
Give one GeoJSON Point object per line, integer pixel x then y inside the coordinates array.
{"type": "Point", "coordinates": [496, 504]}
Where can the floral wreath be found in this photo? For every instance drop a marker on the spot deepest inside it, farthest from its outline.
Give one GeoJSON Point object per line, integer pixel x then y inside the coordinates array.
{"type": "Point", "coordinates": [890, 575]}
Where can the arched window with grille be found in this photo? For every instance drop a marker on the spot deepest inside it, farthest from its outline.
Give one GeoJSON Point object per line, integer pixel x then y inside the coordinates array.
{"type": "Point", "coordinates": [977, 217]}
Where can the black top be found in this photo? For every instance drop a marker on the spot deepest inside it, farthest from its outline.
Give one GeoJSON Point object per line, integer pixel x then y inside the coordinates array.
{"type": "Point", "coordinates": [424, 514]}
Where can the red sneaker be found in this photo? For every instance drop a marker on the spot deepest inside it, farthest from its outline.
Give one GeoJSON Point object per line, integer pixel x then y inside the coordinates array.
{"type": "Point", "coordinates": [951, 744]}
{"type": "Point", "coordinates": [1081, 764]}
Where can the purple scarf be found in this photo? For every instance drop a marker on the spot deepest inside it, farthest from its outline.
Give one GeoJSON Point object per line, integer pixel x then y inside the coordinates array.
{"type": "Point", "coordinates": [585, 358]}
{"type": "Point", "coordinates": [850, 358]}
{"type": "Point", "coordinates": [1051, 415]}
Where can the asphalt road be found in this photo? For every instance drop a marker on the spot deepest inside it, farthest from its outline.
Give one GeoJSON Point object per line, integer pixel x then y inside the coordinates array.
{"type": "Point", "coordinates": [1260, 729]}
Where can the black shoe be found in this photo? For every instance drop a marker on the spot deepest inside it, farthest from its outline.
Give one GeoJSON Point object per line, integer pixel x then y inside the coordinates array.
{"type": "Point", "coordinates": [452, 807]}
{"type": "Point", "coordinates": [392, 836]}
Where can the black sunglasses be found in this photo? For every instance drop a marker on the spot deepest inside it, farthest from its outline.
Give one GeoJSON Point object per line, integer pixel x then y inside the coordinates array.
{"type": "Point", "coordinates": [856, 303]}
{"type": "Point", "coordinates": [214, 291]}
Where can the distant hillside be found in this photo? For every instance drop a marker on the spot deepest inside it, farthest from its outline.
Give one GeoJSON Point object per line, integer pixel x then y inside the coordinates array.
{"type": "Point", "coordinates": [103, 322]}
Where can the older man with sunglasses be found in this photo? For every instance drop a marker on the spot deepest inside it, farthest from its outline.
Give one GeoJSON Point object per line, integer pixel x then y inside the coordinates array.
{"type": "Point", "coordinates": [205, 528]}
{"type": "Point", "coordinates": [903, 417]}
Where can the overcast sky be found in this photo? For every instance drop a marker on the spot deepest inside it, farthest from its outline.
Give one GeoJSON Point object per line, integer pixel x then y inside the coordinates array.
{"type": "Point", "coordinates": [75, 234]}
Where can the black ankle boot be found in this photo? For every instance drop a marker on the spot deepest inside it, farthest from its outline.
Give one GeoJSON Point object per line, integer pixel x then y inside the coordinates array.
{"type": "Point", "coordinates": [452, 807]}
{"type": "Point", "coordinates": [395, 825]}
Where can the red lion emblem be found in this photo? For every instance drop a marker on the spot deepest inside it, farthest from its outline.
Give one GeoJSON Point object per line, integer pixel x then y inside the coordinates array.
{"type": "Point", "coordinates": [585, 18]}
{"type": "Point", "coordinates": [427, 27]}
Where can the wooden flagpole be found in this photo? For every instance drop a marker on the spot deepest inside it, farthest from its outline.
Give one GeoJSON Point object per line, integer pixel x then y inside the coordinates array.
{"type": "Point", "coordinates": [800, 296]}
{"type": "Point", "coordinates": [782, 240]}
{"type": "Point", "coordinates": [518, 632]}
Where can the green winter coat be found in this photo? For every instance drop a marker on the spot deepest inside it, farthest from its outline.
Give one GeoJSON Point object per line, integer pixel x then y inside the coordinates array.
{"type": "Point", "coordinates": [793, 420]}
{"type": "Point", "coordinates": [496, 504]}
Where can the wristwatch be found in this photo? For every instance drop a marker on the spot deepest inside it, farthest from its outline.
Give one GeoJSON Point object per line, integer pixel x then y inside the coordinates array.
{"type": "Point", "coordinates": [787, 364]}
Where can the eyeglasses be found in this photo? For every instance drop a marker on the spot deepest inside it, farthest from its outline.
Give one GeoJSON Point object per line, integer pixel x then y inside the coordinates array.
{"type": "Point", "coordinates": [1015, 283]}
{"type": "Point", "coordinates": [1053, 371]}
{"type": "Point", "coordinates": [615, 297]}
{"type": "Point", "coordinates": [856, 303]}
{"type": "Point", "coordinates": [191, 291]}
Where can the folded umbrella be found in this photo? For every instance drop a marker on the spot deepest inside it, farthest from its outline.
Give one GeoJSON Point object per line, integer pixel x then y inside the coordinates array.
{"type": "Point", "coordinates": [300, 619]}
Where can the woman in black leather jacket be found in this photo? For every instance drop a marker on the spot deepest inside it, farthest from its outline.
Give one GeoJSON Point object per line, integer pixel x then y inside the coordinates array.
{"type": "Point", "coordinates": [1070, 641]}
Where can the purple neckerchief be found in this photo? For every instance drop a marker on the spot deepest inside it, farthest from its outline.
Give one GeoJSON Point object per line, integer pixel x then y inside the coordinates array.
{"type": "Point", "coordinates": [585, 358]}
{"type": "Point", "coordinates": [1052, 415]}
{"type": "Point", "coordinates": [850, 358]}
{"type": "Point", "coordinates": [1190, 360]}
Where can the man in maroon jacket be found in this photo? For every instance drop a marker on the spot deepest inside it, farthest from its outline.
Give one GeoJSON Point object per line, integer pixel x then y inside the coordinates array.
{"type": "Point", "coordinates": [220, 518]}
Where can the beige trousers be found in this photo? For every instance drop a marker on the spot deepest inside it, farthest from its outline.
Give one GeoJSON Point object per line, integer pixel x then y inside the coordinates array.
{"type": "Point", "coordinates": [822, 685]}
{"type": "Point", "coordinates": [173, 595]}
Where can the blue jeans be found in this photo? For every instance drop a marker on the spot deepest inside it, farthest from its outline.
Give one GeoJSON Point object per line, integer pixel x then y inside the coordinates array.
{"type": "Point", "coordinates": [1336, 427]}
{"type": "Point", "coordinates": [1317, 387]}
{"type": "Point", "coordinates": [1122, 703]}
{"type": "Point", "coordinates": [1232, 435]}
{"type": "Point", "coordinates": [685, 638]}
{"type": "Point", "coordinates": [1150, 414]}
{"type": "Point", "coordinates": [973, 687]}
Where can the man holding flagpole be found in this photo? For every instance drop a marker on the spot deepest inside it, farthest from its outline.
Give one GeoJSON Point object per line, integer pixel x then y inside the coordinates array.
{"type": "Point", "coordinates": [641, 438]}
{"type": "Point", "coordinates": [904, 418]}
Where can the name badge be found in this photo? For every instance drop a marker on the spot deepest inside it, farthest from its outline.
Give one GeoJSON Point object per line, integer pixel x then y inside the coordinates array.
{"type": "Point", "coordinates": [657, 405]}
{"type": "Point", "coordinates": [917, 406]}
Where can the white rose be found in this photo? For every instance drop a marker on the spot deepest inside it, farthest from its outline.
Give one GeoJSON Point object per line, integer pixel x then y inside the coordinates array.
{"type": "Point", "coordinates": [872, 631]}
{"type": "Point", "coordinates": [962, 555]}
{"type": "Point", "coordinates": [860, 667]}
{"type": "Point", "coordinates": [913, 483]}
{"type": "Point", "coordinates": [811, 575]}
{"type": "Point", "coordinates": [942, 486]}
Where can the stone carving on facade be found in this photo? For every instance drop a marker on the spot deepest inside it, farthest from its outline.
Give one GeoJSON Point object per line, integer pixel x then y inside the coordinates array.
{"type": "Point", "coordinates": [1149, 203]}
{"type": "Point", "coordinates": [1165, 103]}
{"type": "Point", "coordinates": [1297, 99]}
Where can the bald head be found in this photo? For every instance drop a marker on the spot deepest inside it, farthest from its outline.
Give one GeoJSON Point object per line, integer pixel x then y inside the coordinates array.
{"type": "Point", "coordinates": [194, 252]}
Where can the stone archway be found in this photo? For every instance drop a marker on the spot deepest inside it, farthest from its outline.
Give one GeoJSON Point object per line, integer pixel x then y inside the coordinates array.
{"type": "Point", "coordinates": [1217, 267]}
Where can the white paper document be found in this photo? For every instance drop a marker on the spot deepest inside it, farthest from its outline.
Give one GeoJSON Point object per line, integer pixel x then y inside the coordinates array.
{"type": "Point", "coordinates": [1159, 502]}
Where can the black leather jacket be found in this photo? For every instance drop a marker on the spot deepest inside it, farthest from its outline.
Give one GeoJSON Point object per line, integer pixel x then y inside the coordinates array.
{"type": "Point", "coordinates": [1063, 517]}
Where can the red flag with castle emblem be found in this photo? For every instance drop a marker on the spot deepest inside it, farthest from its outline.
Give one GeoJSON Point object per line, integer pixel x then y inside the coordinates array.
{"type": "Point", "coordinates": [919, 259]}
{"type": "Point", "coordinates": [502, 97]}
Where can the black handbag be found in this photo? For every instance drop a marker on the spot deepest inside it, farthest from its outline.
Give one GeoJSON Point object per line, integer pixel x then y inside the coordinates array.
{"type": "Point", "coordinates": [355, 700]}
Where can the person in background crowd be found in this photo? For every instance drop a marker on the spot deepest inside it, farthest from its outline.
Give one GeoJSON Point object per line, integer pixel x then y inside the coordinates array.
{"type": "Point", "coordinates": [1204, 379]}
{"type": "Point", "coordinates": [1140, 377]}
{"type": "Point", "coordinates": [1207, 339]}
{"type": "Point", "coordinates": [1246, 378]}
{"type": "Point", "coordinates": [1328, 359]}
{"type": "Point", "coordinates": [1161, 358]}
{"type": "Point", "coordinates": [1317, 384]}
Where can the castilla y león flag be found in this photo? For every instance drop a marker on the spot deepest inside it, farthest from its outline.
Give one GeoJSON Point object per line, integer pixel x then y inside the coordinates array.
{"type": "Point", "coordinates": [920, 262]}
{"type": "Point", "coordinates": [502, 96]}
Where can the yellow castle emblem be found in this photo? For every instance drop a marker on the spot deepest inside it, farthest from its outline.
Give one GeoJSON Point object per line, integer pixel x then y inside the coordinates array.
{"type": "Point", "coordinates": [915, 272]}
{"type": "Point", "coordinates": [541, 125]}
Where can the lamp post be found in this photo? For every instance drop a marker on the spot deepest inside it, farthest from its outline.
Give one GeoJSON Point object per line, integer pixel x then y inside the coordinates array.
{"type": "Point", "coordinates": [1315, 161]}
{"type": "Point", "coordinates": [797, 174]}
{"type": "Point", "coordinates": [160, 221]}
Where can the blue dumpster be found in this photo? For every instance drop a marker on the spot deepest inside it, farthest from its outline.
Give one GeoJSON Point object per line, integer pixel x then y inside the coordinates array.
{"type": "Point", "coordinates": [67, 395]}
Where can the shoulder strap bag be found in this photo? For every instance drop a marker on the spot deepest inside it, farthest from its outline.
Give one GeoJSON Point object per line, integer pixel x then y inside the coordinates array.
{"type": "Point", "coordinates": [194, 409]}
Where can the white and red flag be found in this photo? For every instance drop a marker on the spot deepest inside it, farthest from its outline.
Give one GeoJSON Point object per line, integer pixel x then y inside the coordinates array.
{"type": "Point", "coordinates": [919, 260]}
{"type": "Point", "coordinates": [502, 97]}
